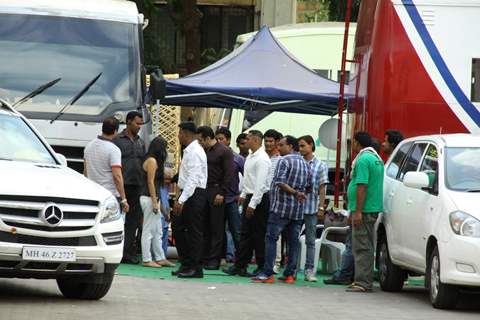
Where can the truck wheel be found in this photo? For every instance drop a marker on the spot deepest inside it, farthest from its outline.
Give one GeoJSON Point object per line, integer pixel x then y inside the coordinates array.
{"type": "Point", "coordinates": [391, 276]}
{"type": "Point", "coordinates": [442, 296]}
{"type": "Point", "coordinates": [88, 288]}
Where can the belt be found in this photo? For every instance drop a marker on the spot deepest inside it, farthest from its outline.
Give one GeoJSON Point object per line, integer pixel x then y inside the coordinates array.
{"type": "Point", "coordinates": [213, 185]}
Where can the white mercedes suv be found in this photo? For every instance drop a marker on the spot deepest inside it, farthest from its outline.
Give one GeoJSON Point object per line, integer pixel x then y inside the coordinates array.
{"type": "Point", "coordinates": [54, 223]}
{"type": "Point", "coordinates": [431, 220]}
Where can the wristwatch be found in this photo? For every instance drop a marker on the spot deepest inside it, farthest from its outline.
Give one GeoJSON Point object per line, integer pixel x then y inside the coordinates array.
{"type": "Point", "coordinates": [123, 201]}
{"type": "Point", "coordinates": [321, 208]}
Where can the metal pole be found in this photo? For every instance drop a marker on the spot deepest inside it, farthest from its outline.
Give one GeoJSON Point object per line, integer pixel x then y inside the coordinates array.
{"type": "Point", "coordinates": [341, 102]}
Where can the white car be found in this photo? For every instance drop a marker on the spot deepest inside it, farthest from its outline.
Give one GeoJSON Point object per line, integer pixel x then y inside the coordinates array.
{"type": "Point", "coordinates": [54, 222]}
{"type": "Point", "coordinates": [431, 220]}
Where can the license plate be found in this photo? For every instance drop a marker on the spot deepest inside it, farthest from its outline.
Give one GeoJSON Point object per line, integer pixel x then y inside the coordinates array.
{"type": "Point", "coordinates": [48, 254]}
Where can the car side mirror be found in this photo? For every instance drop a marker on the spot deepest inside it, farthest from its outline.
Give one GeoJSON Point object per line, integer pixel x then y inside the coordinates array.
{"type": "Point", "coordinates": [416, 180]}
{"type": "Point", "coordinates": [157, 86]}
{"type": "Point", "coordinates": [61, 158]}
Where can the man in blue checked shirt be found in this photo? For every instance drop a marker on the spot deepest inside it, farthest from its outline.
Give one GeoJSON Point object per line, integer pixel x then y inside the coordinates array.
{"type": "Point", "coordinates": [287, 200]}
{"type": "Point", "coordinates": [314, 205]}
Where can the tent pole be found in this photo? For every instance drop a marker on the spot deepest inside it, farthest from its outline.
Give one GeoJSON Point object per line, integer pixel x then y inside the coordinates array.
{"type": "Point", "coordinates": [341, 102]}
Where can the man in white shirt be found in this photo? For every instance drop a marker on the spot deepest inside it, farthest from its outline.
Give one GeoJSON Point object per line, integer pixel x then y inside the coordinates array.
{"type": "Point", "coordinates": [254, 198]}
{"type": "Point", "coordinates": [103, 161]}
{"type": "Point", "coordinates": [190, 208]}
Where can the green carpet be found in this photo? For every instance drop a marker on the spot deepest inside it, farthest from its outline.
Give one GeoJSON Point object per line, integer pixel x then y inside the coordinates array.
{"type": "Point", "coordinates": [217, 276]}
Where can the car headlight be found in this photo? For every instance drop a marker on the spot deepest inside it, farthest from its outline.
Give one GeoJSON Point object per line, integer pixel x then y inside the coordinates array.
{"type": "Point", "coordinates": [110, 210]}
{"type": "Point", "coordinates": [464, 224]}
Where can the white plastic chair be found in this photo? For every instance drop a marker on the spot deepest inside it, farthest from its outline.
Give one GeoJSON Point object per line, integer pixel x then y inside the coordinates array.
{"type": "Point", "coordinates": [331, 253]}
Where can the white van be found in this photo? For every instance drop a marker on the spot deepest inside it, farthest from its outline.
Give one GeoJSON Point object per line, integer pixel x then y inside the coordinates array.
{"type": "Point", "coordinates": [431, 222]}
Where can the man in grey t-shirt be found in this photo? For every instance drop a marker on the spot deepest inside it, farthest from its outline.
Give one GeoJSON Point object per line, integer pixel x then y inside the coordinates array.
{"type": "Point", "coordinates": [103, 161]}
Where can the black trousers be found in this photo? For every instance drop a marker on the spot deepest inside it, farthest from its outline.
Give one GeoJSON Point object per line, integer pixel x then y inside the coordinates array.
{"type": "Point", "coordinates": [188, 230]}
{"type": "Point", "coordinates": [252, 234]}
{"type": "Point", "coordinates": [132, 220]}
{"type": "Point", "coordinates": [214, 232]}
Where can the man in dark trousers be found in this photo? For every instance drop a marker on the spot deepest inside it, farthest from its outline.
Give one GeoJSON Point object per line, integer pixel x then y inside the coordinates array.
{"type": "Point", "coordinates": [133, 152]}
{"type": "Point", "coordinates": [254, 199]}
{"type": "Point", "coordinates": [232, 213]}
{"type": "Point", "coordinates": [190, 207]}
{"type": "Point", "coordinates": [220, 176]}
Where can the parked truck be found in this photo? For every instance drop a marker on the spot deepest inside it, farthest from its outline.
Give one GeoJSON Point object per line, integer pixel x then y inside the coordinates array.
{"type": "Point", "coordinates": [84, 44]}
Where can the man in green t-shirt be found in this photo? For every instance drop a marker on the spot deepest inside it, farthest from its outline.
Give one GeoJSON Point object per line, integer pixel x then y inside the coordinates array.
{"type": "Point", "coordinates": [365, 201]}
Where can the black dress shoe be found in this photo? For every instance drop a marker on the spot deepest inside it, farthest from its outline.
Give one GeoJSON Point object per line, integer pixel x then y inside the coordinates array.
{"type": "Point", "coordinates": [191, 273]}
{"type": "Point", "coordinates": [181, 269]}
{"type": "Point", "coordinates": [234, 271]}
{"type": "Point", "coordinates": [343, 282]}
{"type": "Point", "coordinates": [254, 273]}
{"type": "Point", "coordinates": [212, 265]}
{"type": "Point", "coordinates": [130, 260]}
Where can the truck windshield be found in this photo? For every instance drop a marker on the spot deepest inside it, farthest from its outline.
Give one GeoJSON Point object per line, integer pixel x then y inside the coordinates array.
{"type": "Point", "coordinates": [19, 142]}
{"type": "Point", "coordinates": [36, 49]}
{"type": "Point", "coordinates": [463, 169]}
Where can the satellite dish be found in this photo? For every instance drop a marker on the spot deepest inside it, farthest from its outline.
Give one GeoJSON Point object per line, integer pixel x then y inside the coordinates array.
{"type": "Point", "coordinates": [327, 134]}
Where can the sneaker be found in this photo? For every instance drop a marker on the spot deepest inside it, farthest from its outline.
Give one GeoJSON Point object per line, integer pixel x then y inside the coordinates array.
{"type": "Point", "coordinates": [287, 279]}
{"type": "Point", "coordinates": [263, 278]}
{"type": "Point", "coordinates": [276, 269]}
{"type": "Point", "coordinates": [309, 277]}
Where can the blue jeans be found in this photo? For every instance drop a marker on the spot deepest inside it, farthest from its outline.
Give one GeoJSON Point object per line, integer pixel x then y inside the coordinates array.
{"type": "Point", "coordinates": [165, 224]}
{"type": "Point", "coordinates": [348, 264]}
{"type": "Point", "coordinates": [274, 228]}
{"type": "Point", "coordinates": [232, 215]}
{"type": "Point", "coordinates": [310, 237]}
{"type": "Point", "coordinates": [164, 200]}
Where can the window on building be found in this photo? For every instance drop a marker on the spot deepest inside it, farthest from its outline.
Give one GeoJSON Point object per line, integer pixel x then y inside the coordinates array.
{"type": "Point", "coordinates": [475, 93]}
{"type": "Point", "coordinates": [347, 76]}
{"type": "Point", "coordinates": [324, 73]}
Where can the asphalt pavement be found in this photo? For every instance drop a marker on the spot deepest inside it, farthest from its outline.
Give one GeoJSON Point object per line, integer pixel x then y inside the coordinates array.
{"type": "Point", "coordinates": [139, 298]}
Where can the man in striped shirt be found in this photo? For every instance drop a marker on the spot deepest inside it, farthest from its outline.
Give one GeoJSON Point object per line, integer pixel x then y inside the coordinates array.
{"type": "Point", "coordinates": [271, 139]}
{"type": "Point", "coordinates": [314, 205]}
{"type": "Point", "coordinates": [287, 196]}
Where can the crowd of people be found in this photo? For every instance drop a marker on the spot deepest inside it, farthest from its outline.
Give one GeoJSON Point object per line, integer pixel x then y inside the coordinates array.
{"type": "Point", "coordinates": [237, 205]}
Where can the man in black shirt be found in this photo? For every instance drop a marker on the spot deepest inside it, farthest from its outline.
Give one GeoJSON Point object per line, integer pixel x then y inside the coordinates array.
{"type": "Point", "coordinates": [242, 145]}
{"type": "Point", "coordinates": [133, 152]}
{"type": "Point", "coordinates": [220, 176]}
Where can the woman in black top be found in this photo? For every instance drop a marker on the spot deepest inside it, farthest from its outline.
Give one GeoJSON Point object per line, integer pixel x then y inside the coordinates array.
{"type": "Point", "coordinates": [153, 168]}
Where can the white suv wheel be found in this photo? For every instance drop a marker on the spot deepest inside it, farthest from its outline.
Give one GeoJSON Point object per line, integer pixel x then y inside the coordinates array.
{"type": "Point", "coordinates": [442, 296]}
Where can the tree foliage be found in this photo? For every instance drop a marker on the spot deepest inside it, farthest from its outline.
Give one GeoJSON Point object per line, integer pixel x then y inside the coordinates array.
{"type": "Point", "coordinates": [337, 8]}
{"type": "Point", "coordinates": [187, 18]}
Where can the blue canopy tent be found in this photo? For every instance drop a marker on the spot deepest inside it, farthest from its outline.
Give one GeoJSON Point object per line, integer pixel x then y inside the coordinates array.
{"type": "Point", "coordinates": [259, 75]}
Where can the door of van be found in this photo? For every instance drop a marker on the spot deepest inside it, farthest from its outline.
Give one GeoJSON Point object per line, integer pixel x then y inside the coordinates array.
{"type": "Point", "coordinates": [422, 206]}
{"type": "Point", "coordinates": [403, 206]}
{"type": "Point", "coordinates": [390, 186]}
